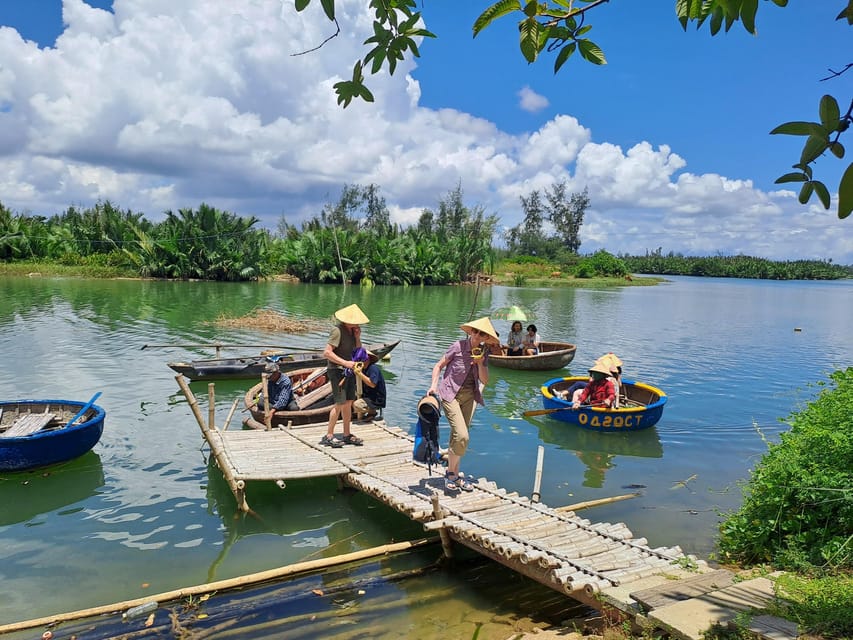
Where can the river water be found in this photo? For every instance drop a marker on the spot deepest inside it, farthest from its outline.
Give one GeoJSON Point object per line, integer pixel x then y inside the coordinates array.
{"type": "Point", "coordinates": [144, 512]}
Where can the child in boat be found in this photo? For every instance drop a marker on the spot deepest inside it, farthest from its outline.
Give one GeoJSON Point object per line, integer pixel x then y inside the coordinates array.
{"type": "Point", "coordinates": [531, 341]}
{"type": "Point", "coordinates": [600, 391]}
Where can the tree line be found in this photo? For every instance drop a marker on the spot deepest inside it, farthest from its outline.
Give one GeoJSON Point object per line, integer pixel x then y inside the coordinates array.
{"type": "Point", "coordinates": [353, 240]}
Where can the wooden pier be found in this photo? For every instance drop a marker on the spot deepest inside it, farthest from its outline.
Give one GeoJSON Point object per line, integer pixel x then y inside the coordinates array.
{"type": "Point", "coordinates": [599, 564]}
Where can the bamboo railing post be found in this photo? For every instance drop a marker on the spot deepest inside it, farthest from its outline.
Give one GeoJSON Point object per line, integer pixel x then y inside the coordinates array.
{"type": "Point", "coordinates": [438, 514]}
{"type": "Point", "coordinates": [268, 410]}
{"type": "Point", "coordinates": [540, 457]}
{"type": "Point", "coordinates": [211, 405]}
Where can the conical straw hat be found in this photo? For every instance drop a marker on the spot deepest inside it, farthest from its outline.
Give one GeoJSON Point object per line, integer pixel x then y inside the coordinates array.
{"type": "Point", "coordinates": [484, 325]}
{"type": "Point", "coordinates": [611, 361]}
{"type": "Point", "coordinates": [351, 315]}
{"type": "Point", "coordinates": [600, 367]}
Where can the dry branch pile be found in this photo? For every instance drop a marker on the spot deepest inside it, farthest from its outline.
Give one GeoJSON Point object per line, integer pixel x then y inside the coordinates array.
{"type": "Point", "coordinates": [271, 320]}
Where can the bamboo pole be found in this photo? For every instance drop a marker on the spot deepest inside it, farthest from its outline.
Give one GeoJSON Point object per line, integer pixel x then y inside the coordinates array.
{"type": "Point", "coordinates": [230, 414]}
{"type": "Point", "coordinates": [220, 585]}
{"type": "Point", "coordinates": [193, 402]}
{"type": "Point", "coordinates": [540, 457]}
{"type": "Point", "coordinates": [211, 406]}
{"type": "Point", "coordinates": [223, 346]}
{"type": "Point", "coordinates": [595, 503]}
{"type": "Point", "coordinates": [438, 513]}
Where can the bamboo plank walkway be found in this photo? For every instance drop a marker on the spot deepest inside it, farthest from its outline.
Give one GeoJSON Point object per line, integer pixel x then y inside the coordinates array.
{"type": "Point", "coordinates": [558, 549]}
{"type": "Point", "coordinates": [597, 563]}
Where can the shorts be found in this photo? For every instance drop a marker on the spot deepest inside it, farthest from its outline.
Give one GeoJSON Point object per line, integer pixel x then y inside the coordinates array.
{"type": "Point", "coordinates": [342, 393]}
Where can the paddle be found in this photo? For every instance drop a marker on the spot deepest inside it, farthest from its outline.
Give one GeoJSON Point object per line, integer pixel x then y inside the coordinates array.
{"type": "Point", "coordinates": [319, 372]}
{"type": "Point", "coordinates": [82, 411]}
{"type": "Point", "coordinates": [545, 412]}
{"type": "Point", "coordinates": [222, 346]}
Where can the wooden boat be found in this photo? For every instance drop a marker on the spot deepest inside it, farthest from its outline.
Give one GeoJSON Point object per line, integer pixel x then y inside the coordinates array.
{"type": "Point", "coordinates": [552, 355]}
{"type": "Point", "coordinates": [36, 433]}
{"type": "Point", "coordinates": [641, 406]}
{"type": "Point", "coordinates": [247, 367]}
{"type": "Point", "coordinates": [313, 395]}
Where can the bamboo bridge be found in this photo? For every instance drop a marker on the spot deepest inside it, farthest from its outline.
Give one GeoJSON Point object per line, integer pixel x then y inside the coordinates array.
{"type": "Point", "coordinates": [599, 564]}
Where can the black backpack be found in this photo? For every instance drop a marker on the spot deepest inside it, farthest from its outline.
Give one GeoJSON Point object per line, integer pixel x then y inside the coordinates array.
{"type": "Point", "coordinates": [426, 435]}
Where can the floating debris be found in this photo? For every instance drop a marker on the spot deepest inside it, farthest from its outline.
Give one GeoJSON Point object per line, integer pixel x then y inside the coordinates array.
{"type": "Point", "coordinates": [272, 320]}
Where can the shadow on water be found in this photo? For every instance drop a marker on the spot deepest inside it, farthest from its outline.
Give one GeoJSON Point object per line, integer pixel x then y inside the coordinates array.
{"type": "Point", "coordinates": [47, 489]}
{"type": "Point", "coordinates": [598, 450]}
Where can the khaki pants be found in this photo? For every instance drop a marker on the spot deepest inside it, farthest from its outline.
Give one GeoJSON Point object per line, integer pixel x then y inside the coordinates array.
{"type": "Point", "coordinates": [459, 412]}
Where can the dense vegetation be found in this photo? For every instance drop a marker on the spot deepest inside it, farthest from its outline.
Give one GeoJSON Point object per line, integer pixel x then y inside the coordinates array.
{"type": "Point", "coordinates": [353, 240]}
{"type": "Point", "coordinates": [797, 513]}
{"type": "Point", "coordinates": [735, 267]}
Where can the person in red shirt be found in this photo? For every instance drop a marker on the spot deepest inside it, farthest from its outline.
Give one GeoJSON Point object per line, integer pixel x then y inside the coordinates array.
{"type": "Point", "coordinates": [600, 391]}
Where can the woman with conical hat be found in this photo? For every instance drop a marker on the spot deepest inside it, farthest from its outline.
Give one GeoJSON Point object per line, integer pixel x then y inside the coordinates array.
{"type": "Point", "coordinates": [466, 372]}
{"type": "Point", "coordinates": [600, 391]}
{"type": "Point", "coordinates": [344, 339]}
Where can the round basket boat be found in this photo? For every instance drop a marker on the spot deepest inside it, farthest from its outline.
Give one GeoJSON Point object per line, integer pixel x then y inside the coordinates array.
{"type": "Point", "coordinates": [641, 406]}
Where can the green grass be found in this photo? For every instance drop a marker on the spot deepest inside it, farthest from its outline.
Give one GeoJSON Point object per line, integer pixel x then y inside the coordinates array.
{"type": "Point", "coordinates": [538, 273]}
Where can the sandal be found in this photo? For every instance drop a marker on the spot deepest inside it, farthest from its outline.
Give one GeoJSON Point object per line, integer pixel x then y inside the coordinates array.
{"type": "Point", "coordinates": [352, 439]}
{"type": "Point", "coordinates": [463, 483]}
{"type": "Point", "coordinates": [450, 482]}
{"type": "Point", "coordinates": [331, 441]}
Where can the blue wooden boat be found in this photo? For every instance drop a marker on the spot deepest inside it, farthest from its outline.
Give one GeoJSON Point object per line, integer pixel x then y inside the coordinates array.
{"type": "Point", "coordinates": [36, 433]}
{"type": "Point", "coordinates": [641, 406]}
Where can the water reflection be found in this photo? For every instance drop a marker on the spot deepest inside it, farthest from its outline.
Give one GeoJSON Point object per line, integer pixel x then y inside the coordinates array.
{"type": "Point", "coordinates": [41, 491]}
{"type": "Point", "coordinates": [598, 450]}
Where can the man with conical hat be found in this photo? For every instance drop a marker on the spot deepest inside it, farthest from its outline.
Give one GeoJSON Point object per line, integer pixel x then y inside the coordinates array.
{"type": "Point", "coordinates": [600, 391]}
{"type": "Point", "coordinates": [466, 372]}
{"type": "Point", "coordinates": [344, 339]}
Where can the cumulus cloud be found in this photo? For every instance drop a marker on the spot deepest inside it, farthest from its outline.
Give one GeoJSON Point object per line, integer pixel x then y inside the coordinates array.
{"type": "Point", "coordinates": [164, 104]}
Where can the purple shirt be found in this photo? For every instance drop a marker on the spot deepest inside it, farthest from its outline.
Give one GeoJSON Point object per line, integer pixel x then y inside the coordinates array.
{"type": "Point", "coordinates": [459, 363]}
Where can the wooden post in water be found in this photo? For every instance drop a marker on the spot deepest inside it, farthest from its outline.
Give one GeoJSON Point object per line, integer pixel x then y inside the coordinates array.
{"type": "Point", "coordinates": [540, 458]}
{"type": "Point", "coordinates": [211, 406]}
{"type": "Point", "coordinates": [268, 410]}
{"type": "Point", "coordinates": [438, 514]}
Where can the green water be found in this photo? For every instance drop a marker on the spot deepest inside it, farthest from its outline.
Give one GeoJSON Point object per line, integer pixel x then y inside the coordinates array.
{"type": "Point", "coordinates": [144, 512]}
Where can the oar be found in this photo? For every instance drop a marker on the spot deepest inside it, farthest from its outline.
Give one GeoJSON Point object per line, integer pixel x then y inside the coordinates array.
{"type": "Point", "coordinates": [545, 412]}
{"type": "Point", "coordinates": [222, 346]}
{"type": "Point", "coordinates": [85, 408]}
{"type": "Point", "coordinates": [319, 372]}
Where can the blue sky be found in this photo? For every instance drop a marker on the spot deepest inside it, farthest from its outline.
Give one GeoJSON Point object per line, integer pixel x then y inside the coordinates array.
{"type": "Point", "coordinates": [163, 104]}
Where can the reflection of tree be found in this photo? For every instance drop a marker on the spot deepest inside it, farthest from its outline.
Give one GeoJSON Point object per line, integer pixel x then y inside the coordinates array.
{"type": "Point", "coordinates": [597, 465]}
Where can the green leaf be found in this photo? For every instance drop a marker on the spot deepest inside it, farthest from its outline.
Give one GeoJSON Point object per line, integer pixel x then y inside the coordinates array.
{"type": "Point", "coordinates": [529, 38]}
{"type": "Point", "coordinates": [791, 177]}
{"type": "Point", "coordinates": [799, 129]}
{"type": "Point", "coordinates": [531, 9]}
{"type": "Point", "coordinates": [328, 8]}
{"type": "Point", "coordinates": [845, 193]}
{"type": "Point", "coordinates": [716, 21]}
{"type": "Point", "coordinates": [497, 10]}
{"type": "Point", "coordinates": [813, 148]}
{"type": "Point", "coordinates": [806, 192]}
{"type": "Point", "coordinates": [837, 149]}
{"type": "Point", "coordinates": [780, 3]}
{"type": "Point", "coordinates": [829, 112]}
{"type": "Point", "coordinates": [565, 53]}
{"type": "Point", "coordinates": [591, 52]}
{"type": "Point", "coordinates": [822, 193]}
{"type": "Point", "coordinates": [747, 14]}
{"type": "Point", "coordinates": [301, 4]}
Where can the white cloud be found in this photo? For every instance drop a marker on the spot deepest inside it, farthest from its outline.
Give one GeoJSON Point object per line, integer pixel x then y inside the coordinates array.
{"type": "Point", "coordinates": [531, 101]}
{"type": "Point", "coordinates": [169, 103]}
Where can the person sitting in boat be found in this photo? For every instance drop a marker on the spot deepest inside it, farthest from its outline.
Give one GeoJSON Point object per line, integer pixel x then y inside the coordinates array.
{"type": "Point", "coordinates": [600, 391]}
{"type": "Point", "coordinates": [614, 365]}
{"type": "Point", "coordinates": [373, 396]}
{"type": "Point", "coordinates": [531, 341]}
{"type": "Point", "coordinates": [515, 342]}
{"type": "Point", "coordinates": [280, 390]}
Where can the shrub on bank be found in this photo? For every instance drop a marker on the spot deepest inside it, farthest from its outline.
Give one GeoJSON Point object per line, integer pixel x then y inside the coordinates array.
{"type": "Point", "coordinates": [798, 504]}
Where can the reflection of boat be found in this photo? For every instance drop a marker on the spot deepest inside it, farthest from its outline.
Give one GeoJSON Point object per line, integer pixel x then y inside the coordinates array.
{"type": "Point", "coordinates": [27, 495]}
{"type": "Point", "coordinates": [253, 366]}
{"type": "Point", "coordinates": [36, 433]}
{"type": "Point", "coordinates": [313, 394]}
{"type": "Point", "coordinates": [552, 355]}
{"type": "Point", "coordinates": [597, 450]}
{"type": "Point", "coordinates": [642, 408]}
